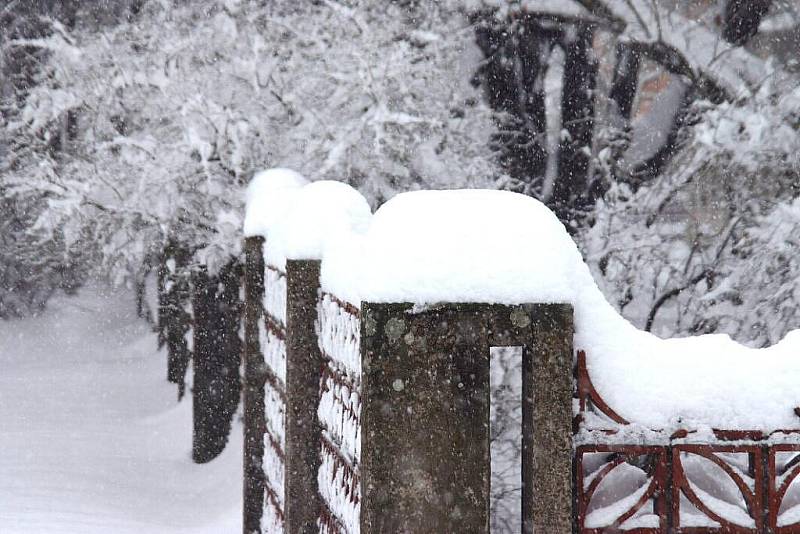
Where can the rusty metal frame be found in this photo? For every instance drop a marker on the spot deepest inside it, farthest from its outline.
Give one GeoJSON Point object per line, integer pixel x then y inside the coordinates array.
{"type": "Point", "coordinates": [344, 305]}
{"type": "Point", "coordinates": [763, 501]}
{"type": "Point", "coordinates": [656, 490]}
{"type": "Point", "coordinates": [588, 396]}
{"type": "Point", "coordinates": [754, 498]}
{"type": "Point", "coordinates": [776, 491]}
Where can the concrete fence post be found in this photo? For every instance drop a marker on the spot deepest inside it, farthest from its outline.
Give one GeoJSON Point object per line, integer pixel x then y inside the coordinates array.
{"type": "Point", "coordinates": [303, 367]}
{"type": "Point", "coordinates": [253, 397]}
{"type": "Point", "coordinates": [425, 456]}
{"type": "Point", "coordinates": [547, 391]}
{"type": "Point", "coordinates": [425, 416]}
{"type": "Point", "coordinates": [425, 420]}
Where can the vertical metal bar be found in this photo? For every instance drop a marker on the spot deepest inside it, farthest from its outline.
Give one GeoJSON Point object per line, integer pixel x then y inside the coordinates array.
{"type": "Point", "coordinates": [668, 521]}
{"type": "Point", "coordinates": [578, 504]}
{"type": "Point", "coordinates": [765, 481]}
{"type": "Point", "coordinates": [674, 490]}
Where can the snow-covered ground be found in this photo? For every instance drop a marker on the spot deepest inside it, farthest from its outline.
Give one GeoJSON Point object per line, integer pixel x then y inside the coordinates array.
{"type": "Point", "coordinates": [92, 439]}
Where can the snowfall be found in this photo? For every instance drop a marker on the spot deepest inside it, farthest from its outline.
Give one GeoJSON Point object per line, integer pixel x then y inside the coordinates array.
{"type": "Point", "coordinates": [93, 439]}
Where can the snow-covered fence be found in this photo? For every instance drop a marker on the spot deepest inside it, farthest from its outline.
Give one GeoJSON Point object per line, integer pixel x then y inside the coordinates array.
{"type": "Point", "coordinates": [272, 337]}
{"type": "Point", "coordinates": [302, 412]}
{"type": "Point", "coordinates": [308, 463]}
{"type": "Point", "coordinates": [394, 324]}
{"type": "Point", "coordinates": [318, 471]}
{"type": "Point", "coordinates": [339, 414]}
{"type": "Point", "coordinates": [295, 446]}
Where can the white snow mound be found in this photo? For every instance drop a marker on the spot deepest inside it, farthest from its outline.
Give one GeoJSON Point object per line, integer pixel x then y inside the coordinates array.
{"type": "Point", "coordinates": [457, 246]}
{"type": "Point", "coordinates": [317, 215]}
{"type": "Point", "coordinates": [268, 196]}
{"type": "Point", "coordinates": [500, 247]}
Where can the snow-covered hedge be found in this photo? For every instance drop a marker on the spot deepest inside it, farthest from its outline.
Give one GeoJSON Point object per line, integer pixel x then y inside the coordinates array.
{"type": "Point", "coordinates": [299, 220]}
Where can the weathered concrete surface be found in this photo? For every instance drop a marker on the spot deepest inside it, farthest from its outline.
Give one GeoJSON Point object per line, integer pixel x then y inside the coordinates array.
{"type": "Point", "coordinates": [547, 427]}
{"type": "Point", "coordinates": [425, 417]}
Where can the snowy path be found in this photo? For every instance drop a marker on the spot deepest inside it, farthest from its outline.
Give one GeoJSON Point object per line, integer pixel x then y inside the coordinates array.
{"type": "Point", "coordinates": [91, 437]}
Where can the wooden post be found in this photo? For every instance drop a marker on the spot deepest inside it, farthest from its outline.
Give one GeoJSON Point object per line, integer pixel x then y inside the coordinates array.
{"type": "Point", "coordinates": [547, 475]}
{"type": "Point", "coordinates": [303, 366]}
{"type": "Point", "coordinates": [253, 490]}
{"type": "Point", "coordinates": [425, 419]}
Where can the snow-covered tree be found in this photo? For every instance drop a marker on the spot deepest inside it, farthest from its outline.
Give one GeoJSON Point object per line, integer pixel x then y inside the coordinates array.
{"type": "Point", "coordinates": [663, 133]}
{"type": "Point", "coordinates": [711, 246]}
{"type": "Point", "coordinates": [571, 77]}
{"type": "Point", "coordinates": [175, 110]}
{"type": "Point", "coordinates": [35, 262]}
{"type": "Point", "coordinates": [31, 270]}
{"type": "Point", "coordinates": [161, 119]}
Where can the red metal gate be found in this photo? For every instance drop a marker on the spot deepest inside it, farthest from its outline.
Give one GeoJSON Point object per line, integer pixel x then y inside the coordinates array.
{"type": "Point", "coordinates": [688, 482]}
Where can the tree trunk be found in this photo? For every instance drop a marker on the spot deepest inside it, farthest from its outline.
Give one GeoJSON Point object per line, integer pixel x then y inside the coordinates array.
{"type": "Point", "coordinates": [741, 19]}
{"type": "Point", "coordinates": [173, 319]}
{"type": "Point", "coordinates": [513, 80]}
{"type": "Point", "coordinates": [572, 192]}
{"type": "Point", "coordinates": [217, 355]}
{"type": "Point", "coordinates": [626, 80]}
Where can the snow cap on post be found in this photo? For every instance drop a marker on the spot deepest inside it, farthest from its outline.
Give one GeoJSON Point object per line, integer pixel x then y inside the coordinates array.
{"type": "Point", "coordinates": [457, 246]}
{"type": "Point", "coordinates": [268, 197]}
{"type": "Point", "coordinates": [320, 213]}
{"type": "Point", "coordinates": [498, 247]}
